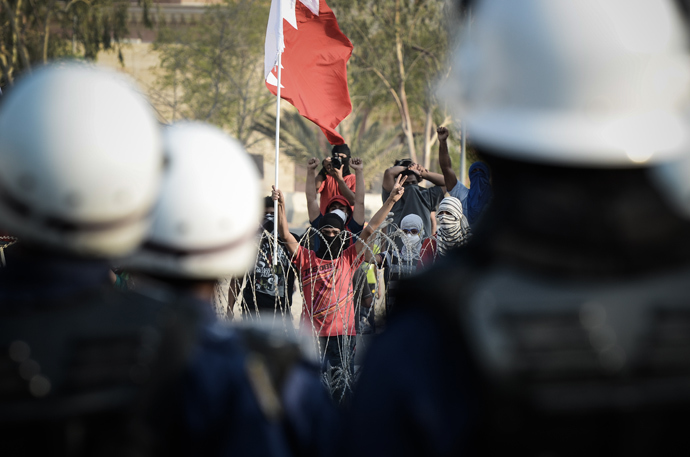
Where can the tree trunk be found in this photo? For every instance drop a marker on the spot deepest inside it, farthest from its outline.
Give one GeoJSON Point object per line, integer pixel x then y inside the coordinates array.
{"type": "Point", "coordinates": [406, 121]}
{"type": "Point", "coordinates": [46, 31]}
{"type": "Point", "coordinates": [427, 138]}
{"type": "Point", "coordinates": [18, 48]}
{"type": "Point", "coordinates": [5, 64]}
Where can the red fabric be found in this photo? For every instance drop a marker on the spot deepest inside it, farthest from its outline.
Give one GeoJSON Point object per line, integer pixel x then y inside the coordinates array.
{"type": "Point", "coordinates": [314, 73]}
{"type": "Point", "coordinates": [329, 189]}
{"type": "Point", "coordinates": [329, 307]}
{"type": "Point", "coordinates": [428, 253]}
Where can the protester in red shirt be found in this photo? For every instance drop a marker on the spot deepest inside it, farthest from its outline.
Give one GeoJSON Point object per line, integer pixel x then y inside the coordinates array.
{"type": "Point", "coordinates": [326, 277]}
{"type": "Point", "coordinates": [336, 181]}
{"type": "Point", "coordinates": [353, 217]}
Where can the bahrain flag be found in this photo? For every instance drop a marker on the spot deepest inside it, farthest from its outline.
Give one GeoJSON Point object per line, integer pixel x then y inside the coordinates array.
{"type": "Point", "coordinates": [313, 62]}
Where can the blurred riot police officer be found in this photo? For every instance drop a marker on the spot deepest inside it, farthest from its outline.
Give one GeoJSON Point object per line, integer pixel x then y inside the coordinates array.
{"type": "Point", "coordinates": [564, 327]}
{"type": "Point", "coordinates": [250, 390]}
{"type": "Point", "coordinates": [80, 166]}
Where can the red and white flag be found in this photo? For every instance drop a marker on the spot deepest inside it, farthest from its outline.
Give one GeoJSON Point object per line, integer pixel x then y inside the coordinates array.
{"type": "Point", "coordinates": [314, 62]}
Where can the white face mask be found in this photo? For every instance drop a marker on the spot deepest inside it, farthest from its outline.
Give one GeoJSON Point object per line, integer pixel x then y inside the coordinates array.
{"type": "Point", "coordinates": [412, 245]}
{"type": "Point", "coordinates": [412, 240]}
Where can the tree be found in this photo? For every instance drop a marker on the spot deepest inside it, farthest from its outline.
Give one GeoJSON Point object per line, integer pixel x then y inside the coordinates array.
{"type": "Point", "coordinates": [300, 139]}
{"type": "Point", "coordinates": [400, 49]}
{"type": "Point", "coordinates": [36, 31]}
{"type": "Point", "coordinates": [213, 70]}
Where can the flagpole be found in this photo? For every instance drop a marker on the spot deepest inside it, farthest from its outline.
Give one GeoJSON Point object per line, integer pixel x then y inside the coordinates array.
{"type": "Point", "coordinates": [463, 125]}
{"type": "Point", "coordinates": [463, 154]}
{"type": "Point", "coordinates": [275, 202]}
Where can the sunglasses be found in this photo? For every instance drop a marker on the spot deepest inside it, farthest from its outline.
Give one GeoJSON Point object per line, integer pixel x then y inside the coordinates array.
{"type": "Point", "coordinates": [412, 231]}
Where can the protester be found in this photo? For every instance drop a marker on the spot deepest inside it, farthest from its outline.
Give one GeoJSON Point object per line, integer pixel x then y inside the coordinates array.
{"type": "Point", "coordinates": [332, 181]}
{"type": "Point", "coordinates": [326, 277]}
{"type": "Point", "coordinates": [417, 200]}
{"type": "Point", "coordinates": [231, 401]}
{"type": "Point", "coordinates": [551, 332]}
{"type": "Point", "coordinates": [418, 251]}
{"type": "Point", "coordinates": [80, 166]}
{"type": "Point", "coordinates": [453, 227]}
{"type": "Point", "coordinates": [269, 289]}
{"type": "Point", "coordinates": [475, 199]}
{"type": "Point", "coordinates": [352, 217]}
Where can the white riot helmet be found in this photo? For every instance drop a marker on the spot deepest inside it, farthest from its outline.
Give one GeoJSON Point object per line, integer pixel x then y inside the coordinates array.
{"type": "Point", "coordinates": [80, 161]}
{"type": "Point", "coordinates": [206, 221]}
{"type": "Point", "coordinates": [574, 82]}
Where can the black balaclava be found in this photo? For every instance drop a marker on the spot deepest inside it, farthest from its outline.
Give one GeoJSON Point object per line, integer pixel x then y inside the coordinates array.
{"type": "Point", "coordinates": [340, 149]}
{"type": "Point", "coordinates": [269, 218]}
{"type": "Point", "coordinates": [343, 149]}
{"type": "Point", "coordinates": [331, 246]}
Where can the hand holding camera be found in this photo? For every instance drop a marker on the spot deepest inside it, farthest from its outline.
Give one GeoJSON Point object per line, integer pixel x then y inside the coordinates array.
{"type": "Point", "coordinates": [336, 161]}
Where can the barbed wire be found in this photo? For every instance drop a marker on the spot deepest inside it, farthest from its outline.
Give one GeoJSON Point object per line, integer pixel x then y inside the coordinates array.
{"type": "Point", "coordinates": [5, 242]}
{"type": "Point", "coordinates": [239, 298]}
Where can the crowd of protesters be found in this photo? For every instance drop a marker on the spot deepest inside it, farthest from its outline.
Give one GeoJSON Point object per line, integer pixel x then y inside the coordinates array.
{"type": "Point", "coordinates": [340, 266]}
{"type": "Point", "coordinates": [530, 329]}
{"type": "Point", "coordinates": [345, 269]}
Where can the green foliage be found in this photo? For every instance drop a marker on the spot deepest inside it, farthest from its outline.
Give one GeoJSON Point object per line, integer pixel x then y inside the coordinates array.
{"type": "Point", "coordinates": [377, 145]}
{"type": "Point", "coordinates": [213, 70]}
{"type": "Point", "coordinates": [37, 31]}
{"type": "Point", "coordinates": [400, 49]}
{"type": "Point", "coordinates": [399, 54]}
{"type": "Point", "coordinates": [300, 139]}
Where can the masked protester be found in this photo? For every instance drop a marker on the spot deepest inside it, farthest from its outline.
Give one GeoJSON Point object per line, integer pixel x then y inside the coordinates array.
{"type": "Point", "coordinates": [417, 200]}
{"type": "Point", "coordinates": [479, 195]}
{"type": "Point", "coordinates": [417, 252]}
{"type": "Point", "coordinates": [353, 217]}
{"type": "Point", "coordinates": [270, 287]}
{"type": "Point", "coordinates": [475, 199]}
{"type": "Point", "coordinates": [332, 181]}
{"type": "Point", "coordinates": [453, 227]}
{"type": "Point", "coordinates": [326, 275]}
{"type": "Point", "coordinates": [551, 332]}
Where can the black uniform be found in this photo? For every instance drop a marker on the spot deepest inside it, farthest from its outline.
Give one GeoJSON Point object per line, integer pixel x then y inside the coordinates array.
{"type": "Point", "coordinates": [562, 329]}
{"type": "Point", "coordinates": [82, 364]}
{"type": "Point", "coordinates": [88, 370]}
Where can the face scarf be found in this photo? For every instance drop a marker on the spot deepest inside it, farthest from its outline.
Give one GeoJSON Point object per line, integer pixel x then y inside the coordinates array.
{"type": "Point", "coordinates": [453, 228]}
{"type": "Point", "coordinates": [480, 191]}
{"type": "Point", "coordinates": [412, 244]}
{"type": "Point", "coordinates": [267, 223]}
{"type": "Point", "coordinates": [331, 246]}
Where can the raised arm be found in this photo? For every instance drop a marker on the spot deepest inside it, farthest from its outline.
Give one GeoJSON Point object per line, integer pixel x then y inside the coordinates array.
{"type": "Point", "coordinates": [378, 218]}
{"type": "Point", "coordinates": [444, 162]}
{"type": "Point", "coordinates": [358, 213]}
{"type": "Point", "coordinates": [389, 176]}
{"type": "Point", "coordinates": [435, 178]}
{"type": "Point", "coordinates": [312, 203]}
{"type": "Point", "coordinates": [283, 230]}
{"type": "Point", "coordinates": [321, 175]}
